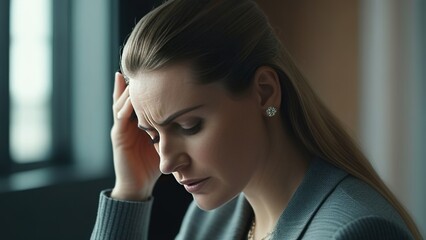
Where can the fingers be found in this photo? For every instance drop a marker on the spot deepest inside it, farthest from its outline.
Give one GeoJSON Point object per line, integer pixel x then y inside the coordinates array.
{"type": "Point", "coordinates": [120, 103]}
{"type": "Point", "coordinates": [126, 111]}
{"type": "Point", "coordinates": [122, 106]}
{"type": "Point", "coordinates": [119, 86]}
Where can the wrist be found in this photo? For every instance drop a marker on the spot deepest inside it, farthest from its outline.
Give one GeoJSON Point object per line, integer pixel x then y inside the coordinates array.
{"type": "Point", "coordinates": [123, 194]}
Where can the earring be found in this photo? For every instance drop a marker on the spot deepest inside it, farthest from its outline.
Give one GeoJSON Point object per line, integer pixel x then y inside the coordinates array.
{"type": "Point", "coordinates": [271, 111]}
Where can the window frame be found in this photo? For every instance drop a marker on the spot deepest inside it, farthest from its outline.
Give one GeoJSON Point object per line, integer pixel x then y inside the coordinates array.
{"type": "Point", "coordinates": [5, 162]}
{"type": "Point", "coordinates": [68, 162]}
{"type": "Point", "coordinates": [60, 98]}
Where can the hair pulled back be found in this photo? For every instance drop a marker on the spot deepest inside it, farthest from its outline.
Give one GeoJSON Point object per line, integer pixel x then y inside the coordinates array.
{"type": "Point", "coordinates": [226, 41]}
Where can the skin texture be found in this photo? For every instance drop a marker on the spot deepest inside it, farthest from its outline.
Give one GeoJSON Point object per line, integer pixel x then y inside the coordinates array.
{"type": "Point", "coordinates": [211, 135]}
{"type": "Point", "coordinates": [231, 138]}
{"type": "Point", "coordinates": [135, 159]}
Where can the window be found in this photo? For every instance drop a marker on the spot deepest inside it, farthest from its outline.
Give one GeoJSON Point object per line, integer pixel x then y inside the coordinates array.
{"type": "Point", "coordinates": [30, 81]}
{"type": "Point", "coordinates": [61, 133]}
{"type": "Point", "coordinates": [33, 35]}
{"type": "Point", "coordinates": [55, 94]}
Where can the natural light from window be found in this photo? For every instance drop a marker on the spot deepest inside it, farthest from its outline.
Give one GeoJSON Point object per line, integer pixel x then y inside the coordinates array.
{"type": "Point", "coordinates": [30, 80]}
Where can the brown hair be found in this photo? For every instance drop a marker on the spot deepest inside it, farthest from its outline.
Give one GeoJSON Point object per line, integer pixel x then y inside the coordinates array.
{"type": "Point", "coordinates": [227, 40]}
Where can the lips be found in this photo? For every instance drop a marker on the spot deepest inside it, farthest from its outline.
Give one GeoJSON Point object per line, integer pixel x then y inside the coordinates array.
{"type": "Point", "coordinates": [194, 185]}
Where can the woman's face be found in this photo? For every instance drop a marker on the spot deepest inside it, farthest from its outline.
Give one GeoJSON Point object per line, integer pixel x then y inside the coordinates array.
{"type": "Point", "coordinates": [212, 142]}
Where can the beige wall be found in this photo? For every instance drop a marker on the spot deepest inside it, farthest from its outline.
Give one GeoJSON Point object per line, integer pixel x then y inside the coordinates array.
{"type": "Point", "coordinates": [322, 36]}
{"type": "Point", "coordinates": [364, 60]}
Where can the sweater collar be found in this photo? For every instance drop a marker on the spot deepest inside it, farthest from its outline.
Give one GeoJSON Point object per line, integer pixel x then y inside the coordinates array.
{"type": "Point", "coordinates": [320, 180]}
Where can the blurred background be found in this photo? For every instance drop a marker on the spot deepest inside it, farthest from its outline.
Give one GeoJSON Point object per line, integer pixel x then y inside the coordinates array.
{"type": "Point", "coordinates": [366, 60]}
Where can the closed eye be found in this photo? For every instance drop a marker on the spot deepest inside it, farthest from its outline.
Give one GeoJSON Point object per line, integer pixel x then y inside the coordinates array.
{"type": "Point", "coordinates": [186, 131]}
{"type": "Point", "coordinates": [193, 129]}
{"type": "Point", "coordinates": [154, 139]}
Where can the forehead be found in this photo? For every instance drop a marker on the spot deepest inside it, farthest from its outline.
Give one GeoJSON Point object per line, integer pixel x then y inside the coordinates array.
{"type": "Point", "coordinates": [156, 94]}
{"type": "Point", "coordinates": [161, 84]}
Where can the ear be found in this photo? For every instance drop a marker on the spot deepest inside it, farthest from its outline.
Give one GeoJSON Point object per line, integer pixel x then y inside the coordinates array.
{"type": "Point", "coordinates": [267, 87]}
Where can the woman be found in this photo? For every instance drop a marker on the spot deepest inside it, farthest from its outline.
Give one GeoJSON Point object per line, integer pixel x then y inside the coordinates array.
{"type": "Point", "coordinates": [221, 106]}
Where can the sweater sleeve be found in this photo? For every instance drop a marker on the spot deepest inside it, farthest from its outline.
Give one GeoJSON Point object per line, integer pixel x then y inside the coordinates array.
{"type": "Point", "coordinates": [372, 228]}
{"type": "Point", "coordinates": [121, 219]}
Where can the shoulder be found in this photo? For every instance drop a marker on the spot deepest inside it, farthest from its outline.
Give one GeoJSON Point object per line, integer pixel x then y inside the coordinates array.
{"type": "Point", "coordinates": [355, 209]}
{"type": "Point", "coordinates": [355, 198]}
{"type": "Point", "coordinates": [371, 227]}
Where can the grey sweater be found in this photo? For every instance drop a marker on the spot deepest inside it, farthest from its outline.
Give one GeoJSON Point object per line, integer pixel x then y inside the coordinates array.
{"type": "Point", "coordinates": [328, 204]}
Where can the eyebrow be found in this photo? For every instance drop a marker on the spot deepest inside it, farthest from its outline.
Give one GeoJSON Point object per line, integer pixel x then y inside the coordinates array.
{"type": "Point", "coordinates": [171, 117]}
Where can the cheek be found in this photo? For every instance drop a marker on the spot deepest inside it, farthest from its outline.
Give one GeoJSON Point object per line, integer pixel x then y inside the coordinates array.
{"type": "Point", "coordinates": [229, 150]}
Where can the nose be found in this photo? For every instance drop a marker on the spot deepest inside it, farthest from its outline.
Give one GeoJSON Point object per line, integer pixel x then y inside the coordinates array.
{"type": "Point", "coordinates": [172, 155]}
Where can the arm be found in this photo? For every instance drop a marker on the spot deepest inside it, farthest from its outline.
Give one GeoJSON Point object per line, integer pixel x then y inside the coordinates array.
{"type": "Point", "coordinates": [118, 219]}
{"type": "Point", "coordinates": [124, 212]}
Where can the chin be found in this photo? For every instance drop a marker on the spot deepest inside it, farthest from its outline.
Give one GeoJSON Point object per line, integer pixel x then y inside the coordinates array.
{"type": "Point", "coordinates": [207, 202]}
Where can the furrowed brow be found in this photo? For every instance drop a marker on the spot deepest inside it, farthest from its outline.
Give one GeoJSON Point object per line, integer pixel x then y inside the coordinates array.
{"type": "Point", "coordinates": [172, 117]}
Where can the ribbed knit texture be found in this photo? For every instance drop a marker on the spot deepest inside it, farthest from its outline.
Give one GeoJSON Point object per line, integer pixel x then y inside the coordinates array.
{"type": "Point", "coordinates": [121, 220]}
{"type": "Point", "coordinates": [371, 228]}
{"type": "Point", "coordinates": [328, 204]}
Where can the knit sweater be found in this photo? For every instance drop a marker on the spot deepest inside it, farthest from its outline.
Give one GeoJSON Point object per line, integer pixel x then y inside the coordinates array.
{"type": "Point", "coordinates": [328, 204]}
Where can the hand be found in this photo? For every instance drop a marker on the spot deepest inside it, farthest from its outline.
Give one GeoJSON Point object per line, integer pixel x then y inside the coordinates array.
{"type": "Point", "coordinates": [136, 161]}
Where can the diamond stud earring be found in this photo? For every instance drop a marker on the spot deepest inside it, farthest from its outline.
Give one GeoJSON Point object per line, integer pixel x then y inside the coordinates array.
{"type": "Point", "coordinates": [271, 111]}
